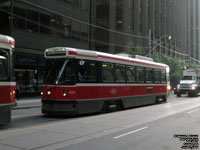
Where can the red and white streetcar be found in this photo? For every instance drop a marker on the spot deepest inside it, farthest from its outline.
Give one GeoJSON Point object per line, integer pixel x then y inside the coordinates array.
{"type": "Point", "coordinates": [7, 83]}
{"type": "Point", "coordinates": [83, 81]}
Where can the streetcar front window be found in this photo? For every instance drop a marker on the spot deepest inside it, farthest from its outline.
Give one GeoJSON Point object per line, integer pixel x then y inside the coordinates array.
{"type": "Point", "coordinates": [67, 73]}
{"type": "Point", "coordinates": [3, 64]}
{"type": "Point", "coordinates": [52, 71]}
{"type": "Point", "coordinates": [59, 72]}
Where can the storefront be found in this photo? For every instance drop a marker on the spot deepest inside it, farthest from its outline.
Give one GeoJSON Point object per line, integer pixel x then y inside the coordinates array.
{"type": "Point", "coordinates": [29, 72]}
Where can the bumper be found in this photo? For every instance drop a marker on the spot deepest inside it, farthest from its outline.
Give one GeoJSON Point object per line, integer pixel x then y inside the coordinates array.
{"type": "Point", "coordinates": [69, 107]}
{"type": "Point", "coordinates": [5, 114]}
{"type": "Point", "coordinates": [183, 91]}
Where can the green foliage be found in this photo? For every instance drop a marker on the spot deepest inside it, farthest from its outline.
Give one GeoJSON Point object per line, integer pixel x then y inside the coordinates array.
{"type": "Point", "coordinates": [176, 66]}
{"type": "Point", "coordinates": [192, 66]}
{"type": "Point", "coordinates": [134, 50]}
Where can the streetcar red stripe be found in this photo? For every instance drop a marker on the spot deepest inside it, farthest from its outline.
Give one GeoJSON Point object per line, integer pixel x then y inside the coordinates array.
{"type": "Point", "coordinates": [72, 53]}
{"type": "Point", "coordinates": [98, 92]}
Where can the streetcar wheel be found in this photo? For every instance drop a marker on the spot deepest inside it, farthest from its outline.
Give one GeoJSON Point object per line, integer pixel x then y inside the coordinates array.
{"type": "Point", "coordinates": [164, 99]}
{"type": "Point", "coordinates": [158, 100]}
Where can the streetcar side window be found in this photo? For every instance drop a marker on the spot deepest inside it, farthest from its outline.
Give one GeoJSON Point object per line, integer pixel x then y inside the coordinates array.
{"type": "Point", "coordinates": [149, 75]}
{"type": "Point", "coordinates": [130, 74]}
{"type": "Point", "coordinates": [140, 74]}
{"type": "Point", "coordinates": [120, 73]}
{"type": "Point", "coordinates": [87, 71]}
{"type": "Point", "coordinates": [163, 76]}
{"type": "Point", "coordinates": [107, 72]}
{"type": "Point", "coordinates": [3, 65]}
{"type": "Point", "coordinates": [156, 75]}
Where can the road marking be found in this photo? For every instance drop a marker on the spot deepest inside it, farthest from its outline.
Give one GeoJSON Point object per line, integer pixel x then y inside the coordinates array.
{"type": "Point", "coordinates": [171, 104]}
{"type": "Point", "coordinates": [128, 133]}
{"type": "Point", "coordinates": [192, 111]}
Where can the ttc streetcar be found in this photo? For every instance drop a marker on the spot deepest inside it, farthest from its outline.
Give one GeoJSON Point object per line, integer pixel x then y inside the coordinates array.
{"type": "Point", "coordinates": [82, 81]}
{"type": "Point", "coordinates": [7, 84]}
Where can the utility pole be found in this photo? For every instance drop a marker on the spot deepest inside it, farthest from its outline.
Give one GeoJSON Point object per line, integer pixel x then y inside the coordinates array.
{"type": "Point", "coordinates": [90, 28]}
{"type": "Point", "coordinates": [149, 42]}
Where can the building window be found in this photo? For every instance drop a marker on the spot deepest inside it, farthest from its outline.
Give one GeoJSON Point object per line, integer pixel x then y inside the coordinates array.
{"type": "Point", "coordinates": [56, 25]}
{"type": "Point", "coordinates": [4, 13]}
{"type": "Point", "coordinates": [68, 1]}
{"type": "Point", "coordinates": [84, 31]}
{"type": "Point", "coordinates": [19, 15]}
{"type": "Point", "coordinates": [38, 20]}
{"type": "Point", "coordinates": [81, 4]}
{"type": "Point", "coordinates": [85, 5]}
{"type": "Point", "coordinates": [32, 20]}
{"type": "Point", "coordinates": [75, 29]}
{"type": "Point", "coordinates": [119, 17]}
{"type": "Point", "coordinates": [67, 27]}
{"type": "Point", "coordinates": [102, 2]}
{"type": "Point", "coordinates": [45, 23]}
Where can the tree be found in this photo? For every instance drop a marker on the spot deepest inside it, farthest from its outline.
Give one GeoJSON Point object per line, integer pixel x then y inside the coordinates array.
{"type": "Point", "coordinates": [135, 50]}
{"type": "Point", "coordinates": [176, 67]}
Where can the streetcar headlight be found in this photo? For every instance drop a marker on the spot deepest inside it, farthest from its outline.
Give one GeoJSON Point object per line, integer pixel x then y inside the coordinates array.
{"type": "Point", "coordinates": [64, 93]}
{"type": "Point", "coordinates": [48, 92]}
{"type": "Point", "coordinates": [169, 87]}
{"type": "Point", "coordinates": [41, 93]}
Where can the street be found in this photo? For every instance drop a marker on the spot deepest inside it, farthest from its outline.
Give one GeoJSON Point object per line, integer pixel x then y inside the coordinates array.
{"type": "Point", "coordinates": [157, 127]}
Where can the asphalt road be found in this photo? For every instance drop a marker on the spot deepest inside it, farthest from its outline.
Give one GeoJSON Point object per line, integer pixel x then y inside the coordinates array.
{"type": "Point", "coordinates": [158, 127]}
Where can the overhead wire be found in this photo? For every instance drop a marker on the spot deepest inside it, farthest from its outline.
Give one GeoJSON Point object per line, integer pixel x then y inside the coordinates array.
{"type": "Point", "coordinates": [110, 30]}
{"type": "Point", "coordinates": [61, 32]}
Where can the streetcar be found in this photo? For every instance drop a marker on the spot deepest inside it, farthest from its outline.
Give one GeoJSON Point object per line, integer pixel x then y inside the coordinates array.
{"type": "Point", "coordinates": [7, 83]}
{"type": "Point", "coordinates": [83, 81]}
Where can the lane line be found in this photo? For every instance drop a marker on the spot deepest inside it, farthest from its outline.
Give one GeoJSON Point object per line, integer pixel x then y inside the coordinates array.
{"type": "Point", "coordinates": [128, 133]}
{"type": "Point", "coordinates": [171, 105]}
{"type": "Point", "coordinates": [189, 112]}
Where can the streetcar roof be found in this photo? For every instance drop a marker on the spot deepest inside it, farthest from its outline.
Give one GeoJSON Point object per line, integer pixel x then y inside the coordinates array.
{"type": "Point", "coordinates": [67, 52]}
{"type": "Point", "coordinates": [6, 42]}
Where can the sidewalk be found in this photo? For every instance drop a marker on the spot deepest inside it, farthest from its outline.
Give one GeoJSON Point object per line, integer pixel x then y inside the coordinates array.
{"type": "Point", "coordinates": [30, 102]}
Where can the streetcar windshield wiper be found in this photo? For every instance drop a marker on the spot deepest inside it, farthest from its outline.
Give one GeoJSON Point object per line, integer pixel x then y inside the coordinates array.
{"type": "Point", "coordinates": [67, 73]}
{"type": "Point", "coordinates": [52, 71]}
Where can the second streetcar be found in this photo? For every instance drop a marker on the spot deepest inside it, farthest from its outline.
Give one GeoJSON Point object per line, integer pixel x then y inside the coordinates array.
{"type": "Point", "coordinates": [7, 83]}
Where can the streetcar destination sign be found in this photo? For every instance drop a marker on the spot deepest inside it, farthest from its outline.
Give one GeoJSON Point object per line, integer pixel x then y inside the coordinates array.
{"type": "Point", "coordinates": [55, 53]}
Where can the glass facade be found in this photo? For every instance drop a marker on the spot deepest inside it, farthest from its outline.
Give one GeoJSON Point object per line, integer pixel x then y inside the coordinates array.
{"type": "Point", "coordinates": [37, 25]}
{"type": "Point", "coordinates": [30, 18]}
{"type": "Point", "coordinates": [5, 15]}
{"type": "Point", "coordinates": [36, 19]}
{"type": "Point", "coordinates": [29, 73]}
